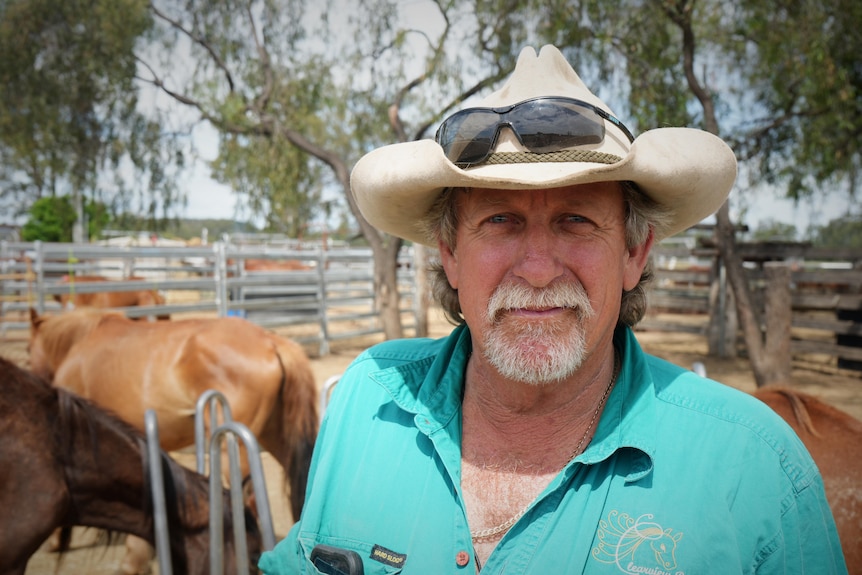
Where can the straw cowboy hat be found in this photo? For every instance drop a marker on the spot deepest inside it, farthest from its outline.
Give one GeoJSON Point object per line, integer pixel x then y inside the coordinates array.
{"type": "Point", "coordinates": [689, 171]}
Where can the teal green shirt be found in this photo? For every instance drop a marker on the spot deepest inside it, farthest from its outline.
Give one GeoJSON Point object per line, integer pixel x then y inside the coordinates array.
{"type": "Point", "coordinates": [684, 476]}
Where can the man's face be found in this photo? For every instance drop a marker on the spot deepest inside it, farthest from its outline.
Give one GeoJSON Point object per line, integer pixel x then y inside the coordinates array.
{"type": "Point", "coordinates": [540, 274]}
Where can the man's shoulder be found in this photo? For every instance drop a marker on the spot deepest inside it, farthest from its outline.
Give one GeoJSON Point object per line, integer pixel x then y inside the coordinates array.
{"type": "Point", "coordinates": [682, 387]}
{"type": "Point", "coordinates": [732, 416]}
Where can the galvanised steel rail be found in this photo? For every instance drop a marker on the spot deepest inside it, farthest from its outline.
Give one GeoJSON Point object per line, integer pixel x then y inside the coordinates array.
{"type": "Point", "coordinates": [332, 286]}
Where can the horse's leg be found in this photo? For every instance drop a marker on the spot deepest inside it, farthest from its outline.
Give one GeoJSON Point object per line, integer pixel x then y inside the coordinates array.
{"type": "Point", "coordinates": [138, 557]}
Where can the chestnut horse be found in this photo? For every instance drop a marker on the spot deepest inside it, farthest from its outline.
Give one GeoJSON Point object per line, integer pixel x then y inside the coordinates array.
{"type": "Point", "coordinates": [67, 462]}
{"type": "Point", "coordinates": [834, 439]}
{"type": "Point", "coordinates": [107, 299]}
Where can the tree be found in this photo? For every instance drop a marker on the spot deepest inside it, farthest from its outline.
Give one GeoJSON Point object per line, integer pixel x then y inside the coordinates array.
{"type": "Point", "coordinates": [53, 220]}
{"type": "Point", "coordinates": [844, 232]}
{"type": "Point", "coordinates": [69, 107]}
{"type": "Point", "coordinates": [774, 230]}
{"type": "Point", "coordinates": [312, 98]}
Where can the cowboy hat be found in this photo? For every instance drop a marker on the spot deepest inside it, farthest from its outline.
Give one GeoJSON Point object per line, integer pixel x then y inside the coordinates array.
{"type": "Point", "coordinates": [689, 171]}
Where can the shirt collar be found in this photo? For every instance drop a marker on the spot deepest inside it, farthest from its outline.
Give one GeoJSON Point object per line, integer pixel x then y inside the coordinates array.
{"type": "Point", "coordinates": [432, 391]}
{"type": "Point", "coordinates": [629, 417]}
{"type": "Point", "coordinates": [431, 388]}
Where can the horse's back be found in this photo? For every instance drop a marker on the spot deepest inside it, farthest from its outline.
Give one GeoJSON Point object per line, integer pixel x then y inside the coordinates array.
{"type": "Point", "coordinates": [129, 367]}
{"type": "Point", "coordinates": [834, 439]}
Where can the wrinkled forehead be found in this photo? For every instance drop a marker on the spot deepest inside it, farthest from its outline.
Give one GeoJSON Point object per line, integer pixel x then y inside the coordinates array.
{"type": "Point", "coordinates": [575, 195]}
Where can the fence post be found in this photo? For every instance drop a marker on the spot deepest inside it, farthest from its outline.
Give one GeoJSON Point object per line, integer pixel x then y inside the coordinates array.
{"type": "Point", "coordinates": [40, 276]}
{"type": "Point", "coordinates": [234, 431]}
{"type": "Point", "coordinates": [157, 482]}
{"type": "Point", "coordinates": [220, 276]}
{"type": "Point", "coordinates": [778, 321]}
{"type": "Point", "coordinates": [420, 289]}
{"type": "Point", "coordinates": [322, 265]}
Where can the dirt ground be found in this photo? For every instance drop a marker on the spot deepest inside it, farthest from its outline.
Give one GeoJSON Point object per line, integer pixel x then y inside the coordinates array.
{"type": "Point", "coordinates": [841, 388]}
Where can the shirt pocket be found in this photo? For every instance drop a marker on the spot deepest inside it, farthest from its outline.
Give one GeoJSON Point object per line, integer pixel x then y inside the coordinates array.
{"type": "Point", "coordinates": [370, 567]}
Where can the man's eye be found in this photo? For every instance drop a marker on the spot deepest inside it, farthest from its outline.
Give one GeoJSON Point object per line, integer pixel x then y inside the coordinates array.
{"type": "Point", "coordinates": [575, 219]}
{"type": "Point", "coordinates": [498, 219]}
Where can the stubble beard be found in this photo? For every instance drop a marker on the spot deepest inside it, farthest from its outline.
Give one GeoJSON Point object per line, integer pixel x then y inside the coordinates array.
{"type": "Point", "coordinates": [537, 351]}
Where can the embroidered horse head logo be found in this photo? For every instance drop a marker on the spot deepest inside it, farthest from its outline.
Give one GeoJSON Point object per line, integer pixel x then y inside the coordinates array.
{"type": "Point", "coordinates": [636, 545]}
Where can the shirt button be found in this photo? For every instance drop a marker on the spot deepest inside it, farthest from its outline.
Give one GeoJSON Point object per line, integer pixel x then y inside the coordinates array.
{"type": "Point", "coordinates": [462, 558]}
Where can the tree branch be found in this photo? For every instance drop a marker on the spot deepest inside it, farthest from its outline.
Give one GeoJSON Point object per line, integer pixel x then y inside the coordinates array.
{"type": "Point", "coordinates": [199, 40]}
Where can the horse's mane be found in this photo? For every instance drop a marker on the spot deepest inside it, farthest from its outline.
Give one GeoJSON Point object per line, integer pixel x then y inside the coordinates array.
{"type": "Point", "coordinates": [79, 415]}
{"type": "Point", "coordinates": [58, 333]}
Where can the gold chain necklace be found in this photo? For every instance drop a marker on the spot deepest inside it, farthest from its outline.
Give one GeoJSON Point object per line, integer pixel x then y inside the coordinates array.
{"type": "Point", "coordinates": [491, 532]}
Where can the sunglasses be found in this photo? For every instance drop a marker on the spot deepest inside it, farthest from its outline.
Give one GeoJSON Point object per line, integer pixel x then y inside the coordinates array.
{"type": "Point", "coordinates": [545, 124]}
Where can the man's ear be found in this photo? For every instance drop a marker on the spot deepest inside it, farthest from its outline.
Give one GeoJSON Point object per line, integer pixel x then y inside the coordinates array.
{"type": "Point", "coordinates": [637, 259]}
{"type": "Point", "coordinates": [449, 261]}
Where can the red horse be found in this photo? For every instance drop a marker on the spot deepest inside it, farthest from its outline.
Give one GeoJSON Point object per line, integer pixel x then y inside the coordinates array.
{"type": "Point", "coordinates": [107, 299]}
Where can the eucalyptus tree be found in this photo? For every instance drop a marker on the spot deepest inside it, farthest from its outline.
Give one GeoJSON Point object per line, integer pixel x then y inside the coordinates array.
{"type": "Point", "coordinates": [69, 116]}
{"type": "Point", "coordinates": [779, 79]}
{"type": "Point", "coordinates": [299, 91]}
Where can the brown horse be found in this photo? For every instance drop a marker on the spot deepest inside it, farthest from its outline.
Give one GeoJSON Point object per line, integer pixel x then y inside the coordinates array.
{"type": "Point", "coordinates": [67, 462]}
{"type": "Point", "coordinates": [834, 439]}
{"type": "Point", "coordinates": [107, 299]}
{"type": "Point", "coordinates": [129, 367]}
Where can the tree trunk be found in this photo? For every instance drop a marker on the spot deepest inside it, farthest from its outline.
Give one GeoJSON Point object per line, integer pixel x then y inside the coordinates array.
{"type": "Point", "coordinates": [386, 287]}
{"type": "Point", "coordinates": [680, 14]}
{"type": "Point", "coordinates": [759, 353]}
{"type": "Point", "coordinates": [723, 325]}
{"type": "Point", "coordinates": [420, 304]}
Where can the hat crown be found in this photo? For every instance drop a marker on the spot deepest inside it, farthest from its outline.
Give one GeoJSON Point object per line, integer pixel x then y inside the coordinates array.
{"type": "Point", "coordinates": [545, 74]}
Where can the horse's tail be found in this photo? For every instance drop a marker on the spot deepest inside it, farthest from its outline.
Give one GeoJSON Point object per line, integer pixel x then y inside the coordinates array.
{"type": "Point", "coordinates": [299, 418]}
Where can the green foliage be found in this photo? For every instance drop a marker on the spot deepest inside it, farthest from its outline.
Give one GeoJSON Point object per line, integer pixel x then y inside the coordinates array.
{"type": "Point", "coordinates": [845, 232]}
{"type": "Point", "coordinates": [771, 230]}
{"type": "Point", "coordinates": [800, 63]}
{"type": "Point", "coordinates": [276, 180]}
{"type": "Point", "coordinates": [51, 220]}
{"type": "Point", "coordinates": [299, 90]}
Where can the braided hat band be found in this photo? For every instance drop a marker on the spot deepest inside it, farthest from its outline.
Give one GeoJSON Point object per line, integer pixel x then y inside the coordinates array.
{"type": "Point", "coordinates": [499, 158]}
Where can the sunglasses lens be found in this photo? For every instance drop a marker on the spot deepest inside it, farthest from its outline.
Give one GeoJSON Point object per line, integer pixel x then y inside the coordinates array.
{"type": "Point", "coordinates": [552, 125]}
{"type": "Point", "coordinates": [549, 124]}
{"type": "Point", "coordinates": [467, 137]}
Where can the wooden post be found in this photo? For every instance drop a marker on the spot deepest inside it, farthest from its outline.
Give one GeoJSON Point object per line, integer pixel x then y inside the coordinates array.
{"type": "Point", "coordinates": [723, 326]}
{"type": "Point", "coordinates": [777, 322]}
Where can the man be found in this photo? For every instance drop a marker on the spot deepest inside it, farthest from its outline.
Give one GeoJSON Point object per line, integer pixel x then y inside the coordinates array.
{"type": "Point", "coordinates": [538, 437]}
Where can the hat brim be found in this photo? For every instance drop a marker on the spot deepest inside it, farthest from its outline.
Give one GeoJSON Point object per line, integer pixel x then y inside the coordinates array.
{"type": "Point", "coordinates": [689, 171]}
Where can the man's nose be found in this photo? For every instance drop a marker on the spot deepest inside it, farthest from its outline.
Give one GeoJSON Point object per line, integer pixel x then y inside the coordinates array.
{"type": "Point", "coordinates": [537, 260]}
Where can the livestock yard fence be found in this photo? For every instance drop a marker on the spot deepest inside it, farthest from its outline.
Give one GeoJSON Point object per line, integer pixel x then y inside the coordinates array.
{"type": "Point", "coordinates": [825, 295]}
{"type": "Point", "coordinates": [327, 291]}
